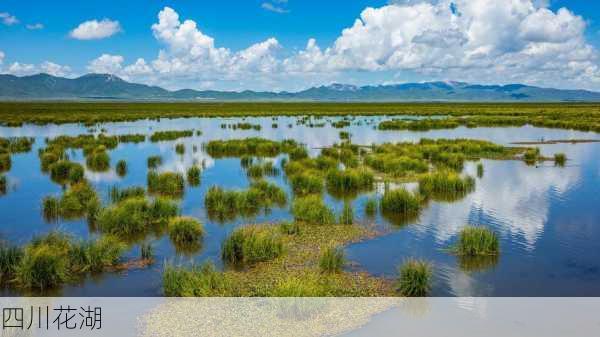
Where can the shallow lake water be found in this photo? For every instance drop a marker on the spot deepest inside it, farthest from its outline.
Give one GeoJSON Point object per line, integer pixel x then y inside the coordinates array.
{"type": "Point", "coordinates": [547, 217]}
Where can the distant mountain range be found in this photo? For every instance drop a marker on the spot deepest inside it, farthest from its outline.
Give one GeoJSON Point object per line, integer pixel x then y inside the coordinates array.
{"type": "Point", "coordinates": [110, 87]}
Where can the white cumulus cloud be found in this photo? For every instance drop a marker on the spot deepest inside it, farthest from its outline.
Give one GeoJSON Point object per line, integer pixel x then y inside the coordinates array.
{"type": "Point", "coordinates": [106, 64]}
{"type": "Point", "coordinates": [54, 69]}
{"type": "Point", "coordinates": [94, 29]}
{"type": "Point", "coordinates": [8, 19]}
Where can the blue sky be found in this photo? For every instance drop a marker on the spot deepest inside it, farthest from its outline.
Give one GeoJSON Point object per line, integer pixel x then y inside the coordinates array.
{"type": "Point", "coordinates": [398, 41]}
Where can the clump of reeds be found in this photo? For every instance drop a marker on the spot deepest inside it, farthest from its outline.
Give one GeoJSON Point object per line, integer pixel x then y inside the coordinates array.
{"type": "Point", "coordinates": [477, 241]}
{"type": "Point", "coordinates": [306, 183]}
{"type": "Point", "coordinates": [185, 230]}
{"type": "Point", "coordinates": [180, 148]}
{"type": "Point", "coordinates": [167, 183]}
{"type": "Point", "coordinates": [98, 159]}
{"type": "Point", "coordinates": [3, 184]}
{"type": "Point", "coordinates": [332, 260]}
{"type": "Point", "coordinates": [10, 257]}
{"type": "Point", "coordinates": [117, 194]}
{"type": "Point", "coordinates": [121, 168]}
{"type": "Point", "coordinates": [401, 202]}
{"type": "Point", "coordinates": [170, 135]}
{"type": "Point", "coordinates": [251, 244]}
{"type": "Point", "coordinates": [371, 207]}
{"type": "Point", "coordinates": [560, 159]}
{"type": "Point", "coordinates": [193, 175]}
{"type": "Point", "coordinates": [312, 210]}
{"type": "Point", "coordinates": [154, 162]}
{"type": "Point", "coordinates": [347, 215]}
{"type": "Point", "coordinates": [147, 251]}
{"type": "Point", "coordinates": [532, 156]}
{"type": "Point", "coordinates": [349, 180]}
{"type": "Point", "coordinates": [5, 162]}
{"type": "Point", "coordinates": [64, 171]}
{"type": "Point", "coordinates": [415, 278]}
{"type": "Point", "coordinates": [446, 183]}
{"type": "Point", "coordinates": [200, 281]}
{"type": "Point", "coordinates": [258, 170]}
{"type": "Point", "coordinates": [77, 201]}
{"type": "Point", "coordinates": [136, 216]}
{"type": "Point", "coordinates": [480, 170]}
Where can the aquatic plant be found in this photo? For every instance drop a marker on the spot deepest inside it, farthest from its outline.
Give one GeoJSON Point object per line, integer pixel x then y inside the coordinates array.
{"type": "Point", "coordinates": [117, 194]}
{"type": "Point", "coordinates": [415, 278]}
{"type": "Point", "coordinates": [121, 168]}
{"type": "Point", "coordinates": [202, 281]}
{"type": "Point", "coordinates": [5, 162]}
{"type": "Point", "coordinates": [95, 256]}
{"type": "Point", "coordinates": [332, 260]}
{"type": "Point", "coordinates": [78, 200]}
{"type": "Point", "coordinates": [347, 215]}
{"type": "Point", "coordinates": [51, 208]}
{"type": "Point", "coordinates": [371, 207]}
{"type": "Point", "coordinates": [480, 170]}
{"type": "Point", "coordinates": [312, 210]}
{"type": "Point", "coordinates": [147, 251]}
{"type": "Point", "coordinates": [401, 202]}
{"type": "Point", "coordinates": [185, 230]}
{"type": "Point", "coordinates": [136, 216]}
{"type": "Point", "coordinates": [169, 184]}
{"type": "Point", "coordinates": [154, 162]}
{"type": "Point", "coordinates": [290, 227]}
{"type": "Point", "coordinates": [64, 171]}
{"type": "Point", "coordinates": [98, 159]}
{"type": "Point", "coordinates": [531, 156]}
{"type": "Point", "coordinates": [349, 180]}
{"type": "Point", "coordinates": [193, 175]}
{"type": "Point", "coordinates": [160, 136]}
{"type": "Point", "coordinates": [477, 241]}
{"type": "Point", "coordinates": [306, 183]}
{"type": "Point", "coordinates": [251, 244]}
{"type": "Point", "coordinates": [249, 147]}
{"type": "Point", "coordinates": [3, 184]}
{"type": "Point", "coordinates": [180, 148]}
{"type": "Point", "coordinates": [258, 170]}
{"type": "Point", "coordinates": [445, 183]}
{"type": "Point", "coordinates": [10, 257]}
{"type": "Point", "coordinates": [560, 159]}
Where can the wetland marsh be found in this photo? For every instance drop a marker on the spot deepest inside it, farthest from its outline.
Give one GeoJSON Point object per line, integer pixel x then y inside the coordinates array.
{"type": "Point", "coordinates": [347, 201]}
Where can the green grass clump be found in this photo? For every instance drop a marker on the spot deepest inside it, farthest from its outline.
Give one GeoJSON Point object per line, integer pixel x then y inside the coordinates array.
{"type": "Point", "coordinates": [258, 147]}
{"type": "Point", "coordinates": [167, 183]}
{"type": "Point", "coordinates": [349, 180]}
{"type": "Point", "coordinates": [3, 184]}
{"type": "Point", "coordinates": [133, 217]}
{"type": "Point", "coordinates": [202, 281]}
{"type": "Point", "coordinates": [147, 251]}
{"type": "Point", "coordinates": [10, 257]}
{"type": "Point", "coordinates": [401, 202]}
{"type": "Point", "coordinates": [306, 183]}
{"type": "Point", "coordinates": [51, 209]}
{"type": "Point", "coordinates": [228, 204]}
{"type": "Point", "coordinates": [154, 162]}
{"type": "Point", "coordinates": [446, 183]}
{"type": "Point", "coordinates": [532, 156]}
{"type": "Point", "coordinates": [193, 175]}
{"type": "Point", "coordinates": [251, 244]}
{"type": "Point", "coordinates": [54, 259]}
{"type": "Point", "coordinates": [5, 162]}
{"type": "Point", "coordinates": [77, 201]}
{"type": "Point", "coordinates": [480, 170]}
{"type": "Point", "coordinates": [415, 279]}
{"type": "Point", "coordinates": [560, 159]}
{"type": "Point", "coordinates": [98, 160]}
{"type": "Point", "coordinates": [121, 168]}
{"type": "Point", "coordinates": [185, 230]}
{"type": "Point", "coordinates": [160, 136]}
{"type": "Point", "coordinates": [290, 228]}
{"type": "Point", "coordinates": [332, 260]}
{"type": "Point", "coordinates": [312, 210]}
{"type": "Point", "coordinates": [180, 148]}
{"type": "Point", "coordinates": [258, 170]}
{"type": "Point", "coordinates": [64, 171]}
{"type": "Point", "coordinates": [371, 207]}
{"type": "Point", "coordinates": [347, 215]}
{"type": "Point", "coordinates": [477, 241]}
{"type": "Point", "coordinates": [117, 194]}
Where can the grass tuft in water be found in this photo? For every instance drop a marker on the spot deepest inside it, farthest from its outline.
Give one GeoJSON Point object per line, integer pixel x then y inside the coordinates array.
{"type": "Point", "coordinates": [560, 159]}
{"type": "Point", "coordinates": [312, 210]}
{"type": "Point", "coordinates": [446, 185]}
{"type": "Point", "coordinates": [228, 204]}
{"type": "Point", "coordinates": [371, 207]}
{"type": "Point", "coordinates": [202, 281]}
{"type": "Point", "coordinates": [10, 257]}
{"type": "Point", "coordinates": [180, 148]}
{"type": "Point", "coordinates": [332, 260]}
{"type": "Point", "coordinates": [251, 244]}
{"type": "Point", "coordinates": [119, 194]}
{"type": "Point", "coordinates": [98, 159]}
{"type": "Point", "coordinates": [193, 175]}
{"type": "Point", "coordinates": [121, 168]}
{"type": "Point", "coordinates": [147, 251]}
{"type": "Point", "coordinates": [154, 162]}
{"type": "Point", "coordinates": [169, 184]}
{"type": "Point", "coordinates": [185, 231]}
{"type": "Point", "coordinates": [3, 184]}
{"type": "Point", "coordinates": [477, 241]}
{"type": "Point", "coordinates": [480, 170]}
{"type": "Point", "coordinates": [347, 215]}
{"type": "Point", "coordinates": [415, 278]}
{"type": "Point", "coordinates": [401, 202]}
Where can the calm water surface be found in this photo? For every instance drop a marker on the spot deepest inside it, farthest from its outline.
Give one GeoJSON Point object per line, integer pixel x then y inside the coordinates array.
{"type": "Point", "coordinates": [547, 218]}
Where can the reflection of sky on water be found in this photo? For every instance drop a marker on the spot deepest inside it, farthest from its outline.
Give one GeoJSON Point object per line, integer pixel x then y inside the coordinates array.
{"type": "Point", "coordinates": [543, 215]}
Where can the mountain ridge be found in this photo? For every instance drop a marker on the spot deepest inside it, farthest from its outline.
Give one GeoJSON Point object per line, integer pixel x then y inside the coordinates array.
{"type": "Point", "coordinates": [110, 87]}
